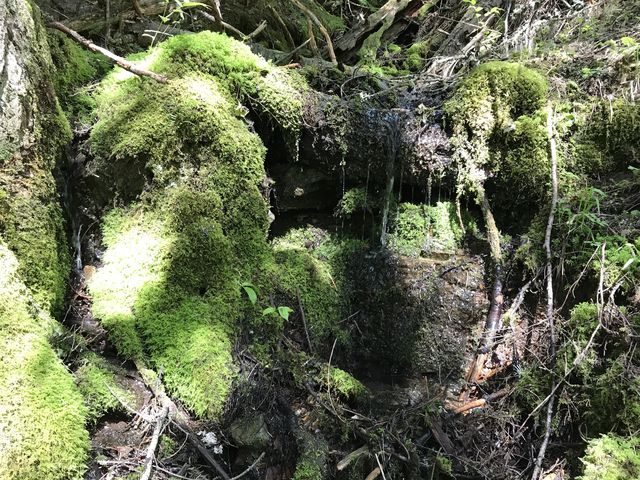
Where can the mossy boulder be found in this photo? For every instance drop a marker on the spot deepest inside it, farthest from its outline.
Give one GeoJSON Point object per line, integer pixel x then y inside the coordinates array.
{"type": "Point", "coordinates": [186, 166]}
{"type": "Point", "coordinates": [498, 130]}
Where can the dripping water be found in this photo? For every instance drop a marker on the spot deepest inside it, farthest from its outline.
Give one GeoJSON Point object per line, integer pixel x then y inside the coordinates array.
{"type": "Point", "coordinates": [393, 142]}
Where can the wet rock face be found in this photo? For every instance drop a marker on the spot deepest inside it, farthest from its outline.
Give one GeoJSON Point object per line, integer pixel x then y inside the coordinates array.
{"type": "Point", "coordinates": [450, 304]}
{"type": "Point", "coordinates": [418, 314]}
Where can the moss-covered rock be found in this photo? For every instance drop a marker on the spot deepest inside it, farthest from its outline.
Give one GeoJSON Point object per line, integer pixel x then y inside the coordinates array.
{"type": "Point", "coordinates": [42, 415]}
{"type": "Point", "coordinates": [498, 130]}
{"type": "Point", "coordinates": [170, 286]}
{"type": "Point", "coordinates": [426, 229]}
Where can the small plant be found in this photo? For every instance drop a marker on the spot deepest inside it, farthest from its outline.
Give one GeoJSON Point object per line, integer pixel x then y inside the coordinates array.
{"type": "Point", "coordinates": [282, 312]}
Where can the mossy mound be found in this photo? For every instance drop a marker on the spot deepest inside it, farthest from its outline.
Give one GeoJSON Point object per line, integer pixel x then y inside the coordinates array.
{"type": "Point", "coordinates": [170, 286]}
{"type": "Point", "coordinates": [499, 130]}
{"type": "Point", "coordinates": [611, 457]}
{"type": "Point", "coordinates": [42, 416]}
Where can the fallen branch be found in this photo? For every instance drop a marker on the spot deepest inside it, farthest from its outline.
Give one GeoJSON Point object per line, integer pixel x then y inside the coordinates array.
{"type": "Point", "coordinates": [481, 402]}
{"type": "Point", "coordinates": [346, 461]}
{"type": "Point", "coordinates": [251, 467]}
{"type": "Point", "coordinates": [537, 471]}
{"type": "Point", "coordinates": [177, 417]}
{"type": "Point", "coordinates": [121, 62]}
{"type": "Point", "coordinates": [310, 15]}
{"type": "Point", "coordinates": [151, 450]}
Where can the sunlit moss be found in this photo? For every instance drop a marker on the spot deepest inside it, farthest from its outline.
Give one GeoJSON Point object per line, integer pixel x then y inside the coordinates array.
{"type": "Point", "coordinates": [426, 229]}
{"type": "Point", "coordinates": [42, 415]}
{"type": "Point", "coordinates": [611, 457]}
{"type": "Point", "coordinates": [97, 384]}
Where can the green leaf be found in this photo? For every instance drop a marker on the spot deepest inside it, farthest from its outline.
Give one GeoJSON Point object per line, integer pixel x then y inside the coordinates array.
{"type": "Point", "coordinates": [268, 311]}
{"type": "Point", "coordinates": [284, 312]}
{"type": "Point", "coordinates": [251, 292]}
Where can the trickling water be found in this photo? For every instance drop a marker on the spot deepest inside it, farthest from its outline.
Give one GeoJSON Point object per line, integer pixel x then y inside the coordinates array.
{"type": "Point", "coordinates": [393, 142]}
{"type": "Point", "coordinates": [366, 194]}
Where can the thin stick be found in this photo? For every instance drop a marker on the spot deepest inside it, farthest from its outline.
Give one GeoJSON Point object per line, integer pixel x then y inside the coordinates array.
{"type": "Point", "coordinates": [537, 471]}
{"type": "Point", "coordinates": [151, 450]}
{"type": "Point", "coordinates": [304, 320]}
{"type": "Point", "coordinates": [309, 14]}
{"type": "Point", "coordinates": [121, 62]}
{"type": "Point", "coordinates": [251, 467]}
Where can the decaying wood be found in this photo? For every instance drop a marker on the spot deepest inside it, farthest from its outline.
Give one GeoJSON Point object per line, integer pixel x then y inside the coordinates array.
{"type": "Point", "coordinates": [388, 13]}
{"type": "Point", "coordinates": [441, 437]}
{"type": "Point", "coordinates": [310, 15]}
{"type": "Point", "coordinates": [481, 402]}
{"type": "Point", "coordinates": [375, 473]}
{"type": "Point", "coordinates": [549, 272]}
{"type": "Point", "coordinates": [121, 62]}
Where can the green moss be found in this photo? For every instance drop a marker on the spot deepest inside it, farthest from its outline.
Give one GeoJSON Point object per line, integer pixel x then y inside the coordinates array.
{"type": "Point", "coordinates": [415, 56]}
{"type": "Point", "coordinates": [270, 91]}
{"type": "Point", "coordinates": [312, 461]}
{"type": "Point", "coordinates": [344, 383]}
{"type": "Point", "coordinates": [318, 274]}
{"type": "Point", "coordinates": [43, 416]}
{"type": "Point", "coordinates": [425, 228]}
{"type": "Point", "coordinates": [169, 288]}
{"type": "Point", "coordinates": [494, 109]}
{"type": "Point", "coordinates": [611, 457]}
{"type": "Point", "coordinates": [96, 381]}
{"type": "Point", "coordinates": [75, 67]}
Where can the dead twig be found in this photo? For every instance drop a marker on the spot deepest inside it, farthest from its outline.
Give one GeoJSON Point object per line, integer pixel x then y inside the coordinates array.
{"type": "Point", "coordinates": [151, 450]}
{"type": "Point", "coordinates": [251, 467]}
{"type": "Point", "coordinates": [537, 471]}
{"type": "Point", "coordinates": [304, 320]}
{"type": "Point", "coordinates": [121, 62]}
{"type": "Point", "coordinates": [310, 15]}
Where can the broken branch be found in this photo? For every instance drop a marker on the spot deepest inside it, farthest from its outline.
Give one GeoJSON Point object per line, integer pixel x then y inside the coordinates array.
{"type": "Point", "coordinates": [310, 15]}
{"type": "Point", "coordinates": [121, 62]}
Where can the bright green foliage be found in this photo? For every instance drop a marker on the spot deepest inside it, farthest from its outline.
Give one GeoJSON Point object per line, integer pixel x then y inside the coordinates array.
{"type": "Point", "coordinates": [353, 200]}
{"type": "Point", "coordinates": [42, 415]}
{"type": "Point", "coordinates": [611, 457]}
{"type": "Point", "coordinates": [487, 114]}
{"type": "Point", "coordinates": [425, 228]}
{"type": "Point", "coordinates": [96, 381]}
{"type": "Point", "coordinates": [343, 383]}
{"type": "Point", "coordinates": [603, 386]}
